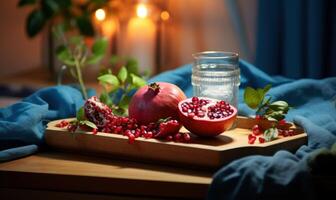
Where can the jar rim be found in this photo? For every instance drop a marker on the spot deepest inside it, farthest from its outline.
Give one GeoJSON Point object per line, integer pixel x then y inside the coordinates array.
{"type": "Point", "coordinates": [211, 55]}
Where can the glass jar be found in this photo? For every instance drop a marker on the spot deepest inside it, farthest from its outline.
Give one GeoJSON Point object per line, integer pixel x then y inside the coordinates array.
{"type": "Point", "coordinates": [216, 74]}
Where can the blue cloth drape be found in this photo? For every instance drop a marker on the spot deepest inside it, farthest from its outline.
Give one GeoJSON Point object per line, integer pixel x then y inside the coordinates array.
{"type": "Point", "coordinates": [254, 177]}
{"type": "Point", "coordinates": [297, 38]}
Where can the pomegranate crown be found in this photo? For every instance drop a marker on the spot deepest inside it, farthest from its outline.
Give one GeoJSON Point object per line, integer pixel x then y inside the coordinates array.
{"type": "Point", "coordinates": [154, 87]}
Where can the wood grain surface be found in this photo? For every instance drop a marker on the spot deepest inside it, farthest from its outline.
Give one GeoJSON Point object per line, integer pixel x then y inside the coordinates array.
{"type": "Point", "coordinates": [61, 172]}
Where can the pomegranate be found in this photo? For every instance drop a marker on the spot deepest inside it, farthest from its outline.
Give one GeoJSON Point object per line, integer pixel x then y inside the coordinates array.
{"type": "Point", "coordinates": [167, 127]}
{"type": "Point", "coordinates": [154, 102]}
{"type": "Point", "coordinates": [206, 117]}
{"type": "Point", "coordinates": [97, 112]}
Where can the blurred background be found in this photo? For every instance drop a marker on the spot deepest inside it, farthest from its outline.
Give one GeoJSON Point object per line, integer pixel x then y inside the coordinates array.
{"type": "Point", "coordinates": [293, 38]}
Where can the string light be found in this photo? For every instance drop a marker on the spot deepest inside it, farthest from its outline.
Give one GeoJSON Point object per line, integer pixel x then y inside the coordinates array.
{"type": "Point", "coordinates": [142, 11]}
{"type": "Point", "coordinates": [100, 14]}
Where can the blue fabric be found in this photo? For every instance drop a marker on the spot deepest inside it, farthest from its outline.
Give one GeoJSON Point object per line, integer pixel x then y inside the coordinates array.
{"type": "Point", "coordinates": [297, 38]}
{"type": "Point", "coordinates": [22, 124]}
{"type": "Point", "coordinates": [284, 174]}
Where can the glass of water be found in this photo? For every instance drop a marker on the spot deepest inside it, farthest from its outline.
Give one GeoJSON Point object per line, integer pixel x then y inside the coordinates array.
{"type": "Point", "coordinates": [216, 74]}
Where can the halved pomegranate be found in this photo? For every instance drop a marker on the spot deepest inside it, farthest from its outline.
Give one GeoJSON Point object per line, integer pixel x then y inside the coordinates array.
{"type": "Point", "coordinates": [205, 116]}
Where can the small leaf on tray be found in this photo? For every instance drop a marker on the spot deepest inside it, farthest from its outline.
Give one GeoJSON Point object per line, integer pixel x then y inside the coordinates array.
{"type": "Point", "coordinates": [88, 123]}
{"type": "Point", "coordinates": [80, 115]}
{"type": "Point", "coordinates": [271, 134]}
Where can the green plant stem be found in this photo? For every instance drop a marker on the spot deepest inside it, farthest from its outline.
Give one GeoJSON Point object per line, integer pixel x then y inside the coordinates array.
{"type": "Point", "coordinates": [80, 78]}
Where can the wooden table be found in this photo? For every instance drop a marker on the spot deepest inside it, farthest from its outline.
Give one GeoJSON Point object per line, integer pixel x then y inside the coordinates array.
{"type": "Point", "coordinates": [55, 175]}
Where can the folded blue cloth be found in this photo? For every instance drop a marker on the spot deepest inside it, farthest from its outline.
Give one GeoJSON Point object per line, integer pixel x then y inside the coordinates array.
{"type": "Point", "coordinates": [314, 103]}
{"type": "Point", "coordinates": [23, 123]}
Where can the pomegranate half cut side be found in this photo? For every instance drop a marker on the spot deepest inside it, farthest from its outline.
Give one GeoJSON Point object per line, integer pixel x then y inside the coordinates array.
{"type": "Point", "coordinates": [205, 116]}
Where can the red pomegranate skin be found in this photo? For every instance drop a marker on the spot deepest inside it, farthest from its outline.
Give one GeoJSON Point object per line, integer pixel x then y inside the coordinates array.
{"type": "Point", "coordinates": [149, 105]}
{"type": "Point", "coordinates": [206, 127]}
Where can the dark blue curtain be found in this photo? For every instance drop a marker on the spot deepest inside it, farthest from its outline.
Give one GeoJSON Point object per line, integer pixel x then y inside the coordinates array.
{"type": "Point", "coordinates": [297, 38]}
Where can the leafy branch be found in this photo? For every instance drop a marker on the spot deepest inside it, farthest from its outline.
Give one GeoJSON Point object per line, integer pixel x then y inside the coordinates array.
{"type": "Point", "coordinates": [76, 55]}
{"type": "Point", "coordinates": [256, 99]}
{"type": "Point", "coordinates": [118, 88]}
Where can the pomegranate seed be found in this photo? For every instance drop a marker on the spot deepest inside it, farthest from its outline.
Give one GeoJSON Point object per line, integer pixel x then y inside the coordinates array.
{"type": "Point", "coordinates": [261, 140]}
{"type": "Point", "coordinates": [62, 124]}
{"type": "Point", "coordinates": [252, 140]}
{"type": "Point", "coordinates": [94, 131]}
{"type": "Point", "coordinates": [137, 133]}
{"type": "Point", "coordinates": [282, 122]}
{"type": "Point", "coordinates": [250, 136]}
{"type": "Point", "coordinates": [186, 137]}
{"type": "Point", "coordinates": [191, 115]}
{"type": "Point", "coordinates": [178, 137]}
{"type": "Point", "coordinates": [72, 127]}
{"type": "Point", "coordinates": [149, 134]}
{"type": "Point", "coordinates": [291, 132]}
{"type": "Point", "coordinates": [256, 130]}
{"type": "Point", "coordinates": [169, 138]}
{"type": "Point", "coordinates": [118, 129]}
{"type": "Point", "coordinates": [131, 138]}
{"type": "Point", "coordinates": [259, 117]}
{"type": "Point", "coordinates": [285, 133]}
{"type": "Point", "coordinates": [195, 99]}
{"type": "Point", "coordinates": [127, 132]}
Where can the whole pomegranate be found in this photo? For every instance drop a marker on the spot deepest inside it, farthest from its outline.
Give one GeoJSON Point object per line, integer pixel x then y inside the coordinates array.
{"type": "Point", "coordinates": [155, 101]}
{"type": "Point", "coordinates": [206, 117]}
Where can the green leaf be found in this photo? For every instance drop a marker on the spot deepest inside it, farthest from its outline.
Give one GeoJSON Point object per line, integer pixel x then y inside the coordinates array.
{"type": "Point", "coordinates": [109, 79]}
{"type": "Point", "coordinates": [252, 98]}
{"type": "Point", "coordinates": [271, 134]}
{"type": "Point", "coordinates": [64, 55]}
{"type": "Point", "coordinates": [94, 59]}
{"type": "Point", "coordinates": [98, 50]}
{"type": "Point", "coordinates": [262, 91]}
{"type": "Point", "coordinates": [124, 102]}
{"type": "Point", "coordinates": [274, 115]}
{"type": "Point", "coordinates": [26, 2]}
{"type": "Point", "coordinates": [58, 30]}
{"type": "Point", "coordinates": [80, 115]}
{"type": "Point", "coordinates": [88, 123]}
{"type": "Point", "coordinates": [105, 71]}
{"type": "Point", "coordinates": [267, 88]}
{"type": "Point", "coordinates": [49, 7]}
{"type": "Point", "coordinates": [122, 75]}
{"type": "Point", "coordinates": [77, 40]}
{"type": "Point", "coordinates": [114, 60]}
{"type": "Point", "coordinates": [85, 25]}
{"type": "Point", "coordinates": [279, 106]}
{"type": "Point", "coordinates": [132, 66]}
{"type": "Point", "coordinates": [99, 47]}
{"type": "Point", "coordinates": [35, 22]}
{"type": "Point", "coordinates": [105, 98]}
{"type": "Point", "coordinates": [137, 81]}
{"type": "Point", "coordinates": [119, 111]}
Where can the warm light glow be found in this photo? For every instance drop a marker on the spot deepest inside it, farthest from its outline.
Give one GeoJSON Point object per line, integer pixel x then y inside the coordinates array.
{"type": "Point", "coordinates": [100, 14]}
{"type": "Point", "coordinates": [165, 15]}
{"type": "Point", "coordinates": [142, 11]}
{"type": "Point", "coordinates": [109, 27]}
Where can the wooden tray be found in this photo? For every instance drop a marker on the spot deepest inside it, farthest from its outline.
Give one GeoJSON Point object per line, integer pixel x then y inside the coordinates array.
{"type": "Point", "coordinates": [201, 152]}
